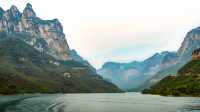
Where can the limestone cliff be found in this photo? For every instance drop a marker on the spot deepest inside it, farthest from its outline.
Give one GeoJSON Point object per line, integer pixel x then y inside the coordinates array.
{"type": "Point", "coordinates": [48, 31]}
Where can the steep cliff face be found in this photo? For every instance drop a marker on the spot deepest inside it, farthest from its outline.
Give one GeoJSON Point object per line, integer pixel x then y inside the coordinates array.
{"type": "Point", "coordinates": [50, 31]}
{"type": "Point", "coordinates": [190, 43]}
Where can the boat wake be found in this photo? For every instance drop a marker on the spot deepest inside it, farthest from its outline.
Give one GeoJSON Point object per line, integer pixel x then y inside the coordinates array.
{"type": "Point", "coordinates": [57, 107]}
{"type": "Point", "coordinates": [10, 106]}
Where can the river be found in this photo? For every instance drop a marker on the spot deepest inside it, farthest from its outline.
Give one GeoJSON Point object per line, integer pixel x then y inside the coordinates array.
{"type": "Point", "coordinates": [99, 102]}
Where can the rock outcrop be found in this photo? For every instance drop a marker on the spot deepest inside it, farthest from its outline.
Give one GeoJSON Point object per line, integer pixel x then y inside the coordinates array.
{"type": "Point", "coordinates": [50, 31]}
{"type": "Point", "coordinates": [196, 54]}
{"type": "Point", "coordinates": [190, 43]}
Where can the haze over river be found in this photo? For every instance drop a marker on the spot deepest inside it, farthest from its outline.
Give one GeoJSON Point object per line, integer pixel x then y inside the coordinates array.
{"type": "Point", "coordinates": [99, 102]}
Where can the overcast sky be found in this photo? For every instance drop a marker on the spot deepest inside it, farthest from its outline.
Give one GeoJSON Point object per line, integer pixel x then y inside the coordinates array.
{"type": "Point", "coordinates": [119, 30]}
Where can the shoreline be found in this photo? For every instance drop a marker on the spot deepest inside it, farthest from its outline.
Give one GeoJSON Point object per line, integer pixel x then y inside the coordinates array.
{"type": "Point", "coordinates": [169, 95]}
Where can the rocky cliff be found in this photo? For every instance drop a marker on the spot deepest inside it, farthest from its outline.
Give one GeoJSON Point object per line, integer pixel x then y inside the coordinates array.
{"type": "Point", "coordinates": [50, 31]}
{"type": "Point", "coordinates": [196, 54]}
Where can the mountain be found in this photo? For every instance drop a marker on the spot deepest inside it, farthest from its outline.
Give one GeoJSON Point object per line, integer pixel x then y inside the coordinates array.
{"type": "Point", "coordinates": [184, 55]}
{"type": "Point", "coordinates": [185, 83]}
{"type": "Point", "coordinates": [50, 32]}
{"type": "Point", "coordinates": [35, 58]}
{"type": "Point", "coordinates": [131, 75]}
{"type": "Point", "coordinates": [169, 64]}
{"type": "Point", "coordinates": [76, 57]}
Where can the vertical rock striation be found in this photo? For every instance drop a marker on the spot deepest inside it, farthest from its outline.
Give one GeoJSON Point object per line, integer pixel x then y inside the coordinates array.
{"type": "Point", "coordinates": [45, 35]}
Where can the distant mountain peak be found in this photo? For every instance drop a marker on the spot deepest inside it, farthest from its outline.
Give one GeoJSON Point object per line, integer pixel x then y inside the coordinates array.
{"type": "Point", "coordinates": [13, 8]}
{"type": "Point", "coordinates": [14, 13]}
{"type": "Point", "coordinates": [28, 12]}
{"type": "Point", "coordinates": [28, 5]}
{"type": "Point", "coordinates": [165, 52]}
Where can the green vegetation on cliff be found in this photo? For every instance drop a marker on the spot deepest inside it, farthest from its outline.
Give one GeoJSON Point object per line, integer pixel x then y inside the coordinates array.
{"type": "Point", "coordinates": [185, 83]}
{"type": "Point", "coordinates": [23, 69]}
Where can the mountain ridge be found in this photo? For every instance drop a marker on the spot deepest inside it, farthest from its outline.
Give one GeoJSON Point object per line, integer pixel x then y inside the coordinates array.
{"type": "Point", "coordinates": [134, 70]}
{"type": "Point", "coordinates": [170, 64]}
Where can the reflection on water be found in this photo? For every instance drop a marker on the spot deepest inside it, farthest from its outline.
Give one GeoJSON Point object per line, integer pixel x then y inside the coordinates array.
{"type": "Point", "coordinates": [104, 102]}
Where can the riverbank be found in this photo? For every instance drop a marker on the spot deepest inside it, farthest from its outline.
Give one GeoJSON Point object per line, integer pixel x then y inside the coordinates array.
{"type": "Point", "coordinates": [180, 85]}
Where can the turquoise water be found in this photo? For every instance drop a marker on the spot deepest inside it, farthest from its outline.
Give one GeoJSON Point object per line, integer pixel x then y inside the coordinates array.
{"type": "Point", "coordinates": [100, 102]}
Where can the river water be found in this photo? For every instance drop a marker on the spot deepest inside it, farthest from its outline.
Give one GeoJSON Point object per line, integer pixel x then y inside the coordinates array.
{"type": "Point", "coordinates": [99, 102]}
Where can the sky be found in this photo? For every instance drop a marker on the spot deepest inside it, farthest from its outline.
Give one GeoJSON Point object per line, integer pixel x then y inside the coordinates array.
{"type": "Point", "coordinates": [118, 30]}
